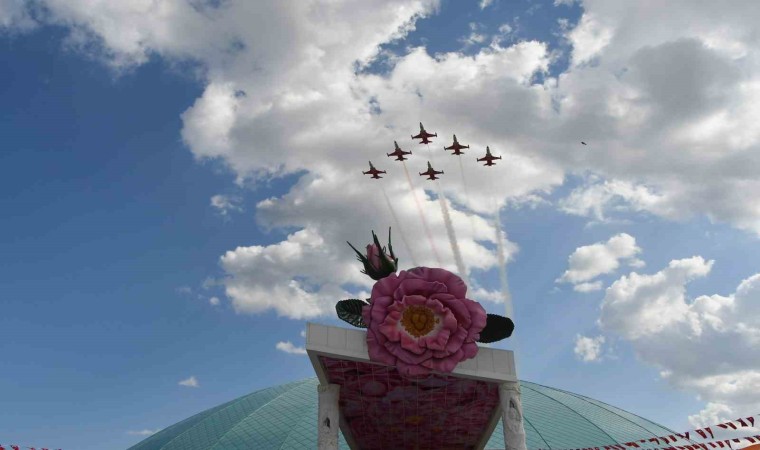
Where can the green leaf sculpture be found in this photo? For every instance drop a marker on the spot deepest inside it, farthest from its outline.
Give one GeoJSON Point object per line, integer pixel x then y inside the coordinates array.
{"type": "Point", "coordinates": [497, 328]}
{"type": "Point", "coordinates": [351, 311]}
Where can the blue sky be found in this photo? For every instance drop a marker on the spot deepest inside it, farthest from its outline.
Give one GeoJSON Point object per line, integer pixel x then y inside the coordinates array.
{"type": "Point", "coordinates": [117, 140]}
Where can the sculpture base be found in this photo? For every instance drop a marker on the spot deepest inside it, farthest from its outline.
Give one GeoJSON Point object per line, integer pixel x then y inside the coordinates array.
{"type": "Point", "coordinates": [380, 409]}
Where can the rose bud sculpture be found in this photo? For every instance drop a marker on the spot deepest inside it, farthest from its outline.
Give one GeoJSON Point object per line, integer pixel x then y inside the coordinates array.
{"type": "Point", "coordinates": [378, 264]}
{"type": "Point", "coordinates": [419, 320]}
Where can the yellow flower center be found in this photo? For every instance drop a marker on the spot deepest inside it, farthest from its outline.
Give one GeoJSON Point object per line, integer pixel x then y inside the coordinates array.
{"type": "Point", "coordinates": [418, 320]}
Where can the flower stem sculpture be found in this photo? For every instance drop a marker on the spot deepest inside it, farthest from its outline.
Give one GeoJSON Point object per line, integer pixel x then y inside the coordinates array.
{"type": "Point", "coordinates": [419, 320]}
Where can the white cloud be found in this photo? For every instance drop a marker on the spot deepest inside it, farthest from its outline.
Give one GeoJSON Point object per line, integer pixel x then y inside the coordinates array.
{"type": "Point", "coordinates": [15, 17]}
{"type": "Point", "coordinates": [267, 277]}
{"type": "Point", "coordinates": [639, 305]}
{"type": "Point", "coordinates": [595, 199]}
{"type": "Point", "coordinates": [666, 98]}
{"type": "Point", "coordinates": [485, 4]}
{"type": "Point", "coordinates": [288, 347]}
{"type": "Point", "coordinates": [707, 346]}
{"type": "Point", "coordinates": [588, 287]}
{"type": "Point", "coordinates": [224, 204]}
{"type": "Point", "coordinates": [590, 261]}
{"type": "Point", "coordinates": [714, 413]}
{"type": "Point", "coordinates": [303, 333]}
{"type": "Point", "coordinates": [144, 432]}
{"type": "Point", "coordinates": [590, 37]}
{"type": "Point", "coordinates": [667, 106]}
{"type": "Point", "coordinates": [588, 349]}
{"type": "Point", "coordinates": [214, 301]}
{"type": "Point", "coordinates": [473, 38]}
{"type": "Point", "coordinates": [190, 382]}
{"type": "Point", "coordinates": [636, 263]}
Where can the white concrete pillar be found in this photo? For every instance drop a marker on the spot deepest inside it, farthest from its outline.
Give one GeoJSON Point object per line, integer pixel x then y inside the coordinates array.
{"type": "Point", "coordinates": [512, 416]}
{"type": "Point", "coordinates": [328, 417]}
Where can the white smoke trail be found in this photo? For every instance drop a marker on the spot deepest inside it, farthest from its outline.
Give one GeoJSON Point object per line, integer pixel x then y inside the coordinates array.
{"type": "Point", "coordinates": [452, 236]}
{"type": "Point", "coordinates": [467, 197]}
{"type": "Point", "coordinates": [450, 228]}
{"type": "Point", "coordinates": [503, 266]}
{"type": "Point", "coordinates": [422, 215]}
{"type": "Point", "coordinates": [400, 230]}
{"type": "Point", "coordinates": [508, 307]}
{"type": "Point", "coordinates": [461, 268]}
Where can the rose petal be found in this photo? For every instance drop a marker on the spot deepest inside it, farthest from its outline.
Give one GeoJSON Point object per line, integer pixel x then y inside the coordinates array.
{"type": "Point", "coordinates": [411, 344]}
{"type": "Point", "coordinates": [452, 339]}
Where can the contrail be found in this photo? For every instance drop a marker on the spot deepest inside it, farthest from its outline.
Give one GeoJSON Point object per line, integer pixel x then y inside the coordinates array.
{"type": "Point", "coordinates": [400, 230]}
{"type": "Point", "coordinates": [467, 197]}
{"type": "Point", "coordinates": [422, 215]}
{"type": "Point", "coordinates": [452, 236]}
{"type": "Point", "coordinates": [450, 228]}
{"type": "Point", "coordinates": [503, 267]}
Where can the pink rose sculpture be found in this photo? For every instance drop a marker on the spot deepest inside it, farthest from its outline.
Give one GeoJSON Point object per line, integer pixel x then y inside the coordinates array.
{"type": "Point", "coordinates": [420, 321]}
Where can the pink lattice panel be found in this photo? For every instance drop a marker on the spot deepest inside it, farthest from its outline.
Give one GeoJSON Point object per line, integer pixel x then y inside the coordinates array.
{"type": "Point", "coordinates": [385, 411]}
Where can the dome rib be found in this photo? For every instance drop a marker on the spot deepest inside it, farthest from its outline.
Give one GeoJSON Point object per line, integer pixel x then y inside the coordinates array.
{"type": "Point", "coordinates": [525, 419]}
{"type": "Point", "coordinates": [613, 412]}
{"type": "Point", "coordinates": [307, 416]}
{"type": "Point", "coordinates": [238, 426]}
{"type": "Point", "coordinates": [227, 406]}
{"type": "Point", "coordinates": [607, 407]}
{"type": "Point", "coordinates": [573, 410]}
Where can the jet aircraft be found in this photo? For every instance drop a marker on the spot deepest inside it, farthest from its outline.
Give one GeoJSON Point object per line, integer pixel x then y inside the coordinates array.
{"type": "Point", "coordinates": [431, 173]}
{"type": "Point", "coordinates": [457, 147]}
{"type": "Point", "coordinates": [374, 172]}
{"type": "Point", "coordinates": [488, 158]}
{"type": "Point", "coordinates": [424, 135]}
{"type": "Point", "coordinates": [398, 153]}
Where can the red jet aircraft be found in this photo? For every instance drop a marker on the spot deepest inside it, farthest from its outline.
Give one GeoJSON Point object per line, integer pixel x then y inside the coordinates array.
{"type": "Point", "coordinates": [373, 171]}
{"type": "Point", "coordinates": [398, 153]}
{"type": "Point", "coordinates": [457, 147]}
{"type": "Point", "coordinates": [424, 135]}
{"type": "Point", "coordinates": [431, 173]}
{"type": "Point", "coordinates": [488, 158]}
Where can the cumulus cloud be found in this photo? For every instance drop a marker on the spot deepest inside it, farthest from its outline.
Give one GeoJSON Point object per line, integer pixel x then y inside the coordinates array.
{"type": "Point", "coordinates": [299, 278]}
{"type": "Point", "coordinates": [708, 345]}
{"type": "Point", "coordinates": [669, 153]}
{"type": "Point", "coordinates": [288, 347]}
{"type": "Point", "coordinates": [224, 204]}
{"type": "Point", "coordinates": [666, 97]}
{"type": "Point", "coordinates": [597, 199]}
{"type": "Point", "coordinates": [590, 261]}
{"type": "Point", "coordinates": [588, 349]}
{"type": "Point", "coordinates": [190, 382]}
{"type": "Point", "coordinates": [214, 301]}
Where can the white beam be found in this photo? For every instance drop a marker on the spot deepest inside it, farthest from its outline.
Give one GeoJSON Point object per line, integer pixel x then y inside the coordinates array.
{"type": "Point", "coordinates": [328, 417]}
{"type": "Point", "coordinates": [512, 416]}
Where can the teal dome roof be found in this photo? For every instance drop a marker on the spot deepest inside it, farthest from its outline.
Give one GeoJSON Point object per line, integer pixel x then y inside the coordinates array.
{"type": "Point", "coordinates": [285, 417]}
